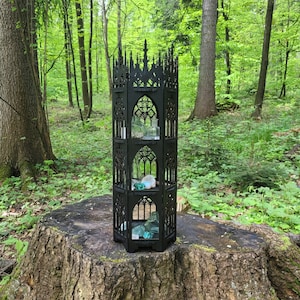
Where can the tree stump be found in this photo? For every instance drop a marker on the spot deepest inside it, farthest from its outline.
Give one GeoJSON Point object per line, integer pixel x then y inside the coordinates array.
{"type": "Point", "coordinates": [72, 255]}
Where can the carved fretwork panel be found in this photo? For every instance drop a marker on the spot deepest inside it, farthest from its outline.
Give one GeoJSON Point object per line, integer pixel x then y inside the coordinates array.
{"type": "Point", "coordinates": [119, 212]}
{"type": "Point", "coordinates": [119, 117]}
{"type": "Point", "coordinates": [171, 114]}
{"type": "Point", "coordinates": [170, 212]}
{"type": "Point", "coordinates": [120, 166]}
{"type": "Point", "coordinates": [143, 77]}
{"type": "Point", "coordinates": [143, 209]}
{"type": "Point", "coordinates": [171, 70]}
{"type": "Point", "coordinates": [145, 109]}
{"type": "Point", "coordinates": [120, 74]}
{"type": "Point", "coordinates": [144, 122]}
{"type": "Point", "coordinates": [171, 166]}
{"type": "Point", "coordinates": [144, 163]}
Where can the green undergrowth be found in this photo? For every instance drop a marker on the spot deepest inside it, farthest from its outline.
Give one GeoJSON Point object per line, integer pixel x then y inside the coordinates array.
{"type": "Point", "coordinates": [229, 168]}
{"type": "Point", "coordinates": [82, 170]}
{"type": "Point", "coordinates": [234, 168]}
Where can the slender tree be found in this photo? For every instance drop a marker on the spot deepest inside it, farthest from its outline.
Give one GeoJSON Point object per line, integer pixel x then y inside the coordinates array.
{"type": "Point", "coordinates": [285, 69]}
{"type": "Point", "coordinates": [264, 61]}
{"type": "Point", "coordinates": [227, 40]}
{"type": "Point", "coordinates": [83, 65]}
{"type": "Point", "coordinates": [24, 135]}
{"type": "Point", "coordinates": [68, 50]}
{"type": "Point", "coordinates": [105, 41]}
{"type": "Point", "coordinates": [90, 55]}
{"type": "Point", "coordinates": [205, 105]}
{"type": "Point", "coordinates": [45, 58]}
{"type": "Point", "coordinates": [119, 27]}
{"type": "Point", "coordinates": [289, 41]}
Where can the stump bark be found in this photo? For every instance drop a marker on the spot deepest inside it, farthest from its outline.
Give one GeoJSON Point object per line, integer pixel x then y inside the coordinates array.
{"type": "Point", "coordinates": [72, 256]}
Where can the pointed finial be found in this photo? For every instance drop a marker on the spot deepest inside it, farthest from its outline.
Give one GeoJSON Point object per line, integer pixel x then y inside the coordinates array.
{"type": "Point", "coordinates": [145, 56]}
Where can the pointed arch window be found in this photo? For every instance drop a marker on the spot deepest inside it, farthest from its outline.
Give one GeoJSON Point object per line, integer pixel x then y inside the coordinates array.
{"type": "Point", "coordinates": [144, 163]}
{"type": "Point", "coordinates": [145, 120]}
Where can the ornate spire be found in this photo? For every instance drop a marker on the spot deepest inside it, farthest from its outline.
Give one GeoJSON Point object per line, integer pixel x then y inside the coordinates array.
{"type": "Point", "coordinates": [139, 74]}
{"type": "Point", "coordinates": [145, 68]}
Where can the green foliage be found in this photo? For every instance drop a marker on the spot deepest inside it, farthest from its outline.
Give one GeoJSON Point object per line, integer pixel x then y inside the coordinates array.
{"type": "Point", "coordinates": [82, 170]}
{"type": "Point", "coordinates": [280, 209]}
{"type": "Point", "coordinates": [20, 246]}
{"type": "Point", "coordinates": [265, 174]}
{"type": "Point", "coordinates": [235, 169]}
{"type": "Point", "coordinates": [179, 23]}
{"type": "Point", "coordinates": [202, 150]}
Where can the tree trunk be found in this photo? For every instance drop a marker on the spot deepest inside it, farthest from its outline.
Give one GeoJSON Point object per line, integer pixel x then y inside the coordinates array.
{"type": "Point", "coordinates": [288, 49]}
{"type": "Point", "coordinates": [24, 133]}
{"type": "Point", "coordinates": [286, 61]}
{"type": "Point", "coordinates": [90, 56]}
{"type": "Point", "coordinates": [44, 69]}
{"type": "Point", "coordinates": [72, 256]}
{"type": "Point", "coordinates": [227, 54]}
{"type": "Point", "coordinates": [264, 62]}
{"type": "Point", "coordinates": [68, 51]}
{"type": "Point", "coordinates": [71, 48]}
{"type": "Point", "coordinates": [119, 28]}
{"type": "Point", "coordinates": [105, 41]}
{"type": "Point", "coordinates": [205, 105]}
{"type": "Point", "coordinates": [83, 67]}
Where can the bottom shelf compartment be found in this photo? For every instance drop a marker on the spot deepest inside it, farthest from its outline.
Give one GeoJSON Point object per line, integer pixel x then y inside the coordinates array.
{"type": "Point", "coordinates": [144, 230]}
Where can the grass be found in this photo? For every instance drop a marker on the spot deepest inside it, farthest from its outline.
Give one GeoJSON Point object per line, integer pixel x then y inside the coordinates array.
{"type": "Point", "coordinates": [230, 168]}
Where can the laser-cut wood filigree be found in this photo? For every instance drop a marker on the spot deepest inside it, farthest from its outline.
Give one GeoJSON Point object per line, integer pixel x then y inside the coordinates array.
{"type": "Point", "coordinates": [145, 121]}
